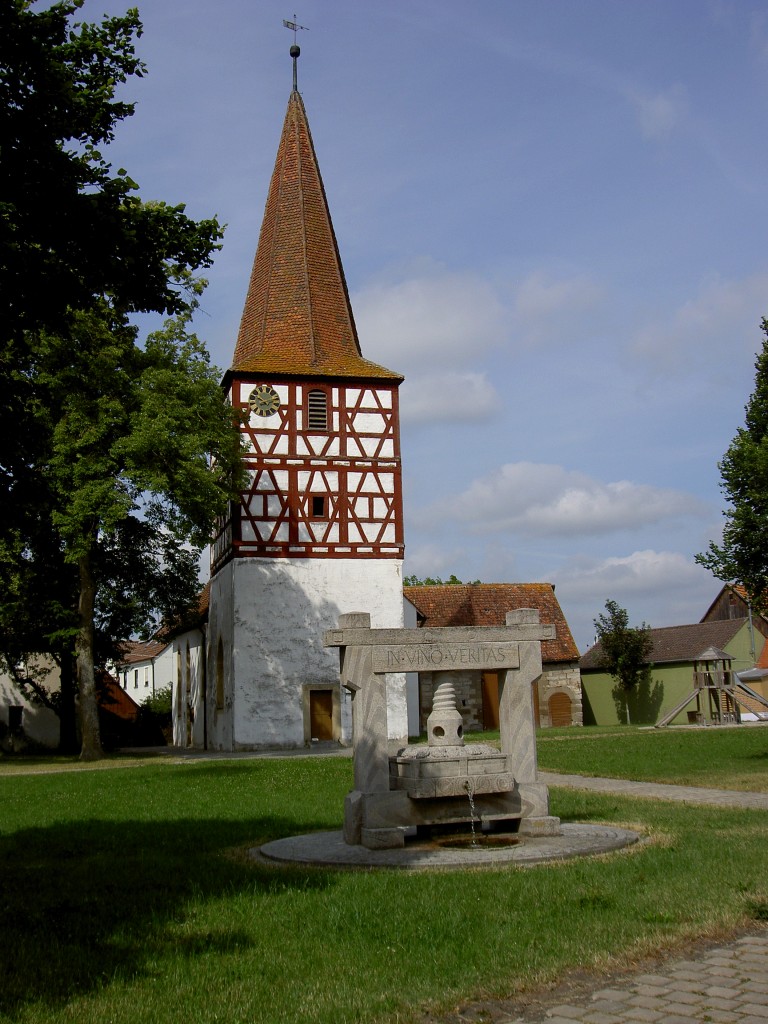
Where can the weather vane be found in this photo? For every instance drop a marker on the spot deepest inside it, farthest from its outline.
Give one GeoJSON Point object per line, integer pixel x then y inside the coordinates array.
{"type": "Point", "coordinates": [294, 26]}
{"type": "Point", "coordinates": [295, 50]}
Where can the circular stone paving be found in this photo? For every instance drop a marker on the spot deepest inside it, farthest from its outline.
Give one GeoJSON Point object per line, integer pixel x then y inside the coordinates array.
{"type": "Point", "coordinates": [329, 849]}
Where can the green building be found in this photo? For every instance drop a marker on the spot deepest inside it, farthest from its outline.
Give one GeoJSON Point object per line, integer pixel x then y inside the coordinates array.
{"type": "Point", "coordinates": [685, 661]}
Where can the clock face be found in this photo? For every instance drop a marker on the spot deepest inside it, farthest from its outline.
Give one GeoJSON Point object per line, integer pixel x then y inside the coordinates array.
{"type": "Point", "coordinates": [264, 400]}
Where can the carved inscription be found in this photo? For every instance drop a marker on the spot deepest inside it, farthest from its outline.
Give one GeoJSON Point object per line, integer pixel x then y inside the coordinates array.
{"type": "Point", "coordinates": [444, 657]}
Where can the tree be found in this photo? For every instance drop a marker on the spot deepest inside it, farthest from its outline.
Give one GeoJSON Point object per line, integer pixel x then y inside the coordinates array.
{"type": "Point", "coordinates": [132, 492]}
{"type": "Point", "coordinates": [742, 556]}
{"type": "Point", "coordinates": [625, 650]}
{"type": "Point", "coordinates": [38, 617]}
{"type": "Point", "coordinates": [68, 223]}
{"type": "Point", "coordinates": [71, 230]}
{"type": "Point", "coordinates": [432, 581]}
{"type": "Point", "coordinates": [104, 474]}
{"type": "Point", "coordinates": [156, 716]}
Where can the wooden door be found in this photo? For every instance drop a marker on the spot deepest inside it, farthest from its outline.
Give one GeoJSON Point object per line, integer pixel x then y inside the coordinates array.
{"type": "Point", "coordinates": [560, 709]}
{"type": "Point", "coordinates": [321, 714]}
{"type": "Point", "coordinates": [489, 684]}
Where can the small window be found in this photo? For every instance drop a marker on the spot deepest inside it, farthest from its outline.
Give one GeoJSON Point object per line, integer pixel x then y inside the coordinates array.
{"type": "Point", "coordinates": [135, 679]}
{"type": "Point", "coordinates": [317, 410]}
{"type": "Point", "coordinates": [318, 507]}
{"type": "Point", "coordinates": [15, 717]}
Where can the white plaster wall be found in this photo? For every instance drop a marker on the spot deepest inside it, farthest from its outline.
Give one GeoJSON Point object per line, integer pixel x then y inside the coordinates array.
{"type": "Point", "coordinates": [164, 665]}
{"type": "Point", "coordinates": [220, 625]}
{"type": "Point", "coordinates": [39, 724]}
{"type": "Point", "coordinates": [197, 683]}
{"type": "Point", "coordinates": [188, 689]}
{"type": "Point", "coordinates": [146, 687]}
{"type": "Point", "coordinates": [410, 621]}
{"type": "Point", "coordinates": [278, 614]}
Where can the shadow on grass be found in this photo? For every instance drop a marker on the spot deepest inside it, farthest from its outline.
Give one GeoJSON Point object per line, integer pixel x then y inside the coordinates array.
{"type": "Point", "coordinates": [85, 903]}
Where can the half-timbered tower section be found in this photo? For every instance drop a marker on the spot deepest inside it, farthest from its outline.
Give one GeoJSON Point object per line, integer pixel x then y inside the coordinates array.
{"type": "Point", "coordinates": [324, 471]}
{"type": "Point", "coordinates": [318, 532]}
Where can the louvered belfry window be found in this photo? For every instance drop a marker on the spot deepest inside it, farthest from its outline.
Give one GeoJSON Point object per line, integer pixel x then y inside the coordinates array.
{"type": "Point", "coordinates": [317, 410]}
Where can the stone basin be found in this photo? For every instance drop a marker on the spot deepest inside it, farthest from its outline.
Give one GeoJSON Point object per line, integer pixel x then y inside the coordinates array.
{"type": "Point", "coordinates": [450, 771]}
{"type": "Point", "coordinates": [478, 841]}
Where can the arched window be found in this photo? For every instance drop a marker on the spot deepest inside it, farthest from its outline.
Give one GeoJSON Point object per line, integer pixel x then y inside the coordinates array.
{"type": "Point", "coordinates": [220, 676]}
{"type": "Point", "coordinates": [317, 410]}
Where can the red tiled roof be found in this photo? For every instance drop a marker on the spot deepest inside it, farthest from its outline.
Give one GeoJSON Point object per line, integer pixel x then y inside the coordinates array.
{"type": "Point", "coordinates": [114, 699]}
{"type": "Point", "coordinates": [678, 643]}
{"type": "Point", "coordinates": [138, 650]}
{"type": "Point", "coordinates": [486, 604]}
{"type": "Point", "coordinates": [297, 317]}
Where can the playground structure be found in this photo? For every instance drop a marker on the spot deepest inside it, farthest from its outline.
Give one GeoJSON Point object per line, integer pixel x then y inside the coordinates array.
{"type": "Point", "coordinates": [721, 696]}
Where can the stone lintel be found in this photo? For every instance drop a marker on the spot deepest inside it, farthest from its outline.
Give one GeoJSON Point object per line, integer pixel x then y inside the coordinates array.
{"type": "Point", "coordinates": [357, 637]}
{"type": "Point", "coordinates": [445, 657]}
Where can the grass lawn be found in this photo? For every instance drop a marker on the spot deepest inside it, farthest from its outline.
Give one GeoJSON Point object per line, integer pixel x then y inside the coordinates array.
{"type": "Point", "coordinates": [127, 897]}
{"type": "Point", "coordinates": [722, 758]}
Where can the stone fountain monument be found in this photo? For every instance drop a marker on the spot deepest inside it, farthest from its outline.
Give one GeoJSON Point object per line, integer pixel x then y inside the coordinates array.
{"type": "Point", "coordinates": [447, 783]}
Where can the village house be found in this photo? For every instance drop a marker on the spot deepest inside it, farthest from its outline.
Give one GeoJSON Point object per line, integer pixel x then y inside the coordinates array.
{"type": "Point", "coordinates": [727, 645]}
{"type": "Point", "coordinates": [27, 724]}
{"type": "Point", "coordinates": [24, 721]}
{"type": "Point", "coordinates": [557, 693]}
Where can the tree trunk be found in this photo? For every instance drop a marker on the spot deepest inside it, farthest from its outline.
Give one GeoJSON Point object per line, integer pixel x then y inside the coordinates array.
{"type": "Point", "coordinates": [68, 708]}
{"type": "Point", "coordinates": [89, 710]}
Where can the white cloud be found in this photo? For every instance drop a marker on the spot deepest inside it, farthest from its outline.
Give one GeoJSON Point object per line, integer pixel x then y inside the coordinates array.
{"type": "Point", "coordinates": [457, 317]}
{"type": "Point", "coordinates": [544, 306]}
{"type": "Point", "coordinates": [659, 114]}
{"type": "Point", "coordinates": [454, 397]}
{"type": "Point", "coordinates": [724, 316]}
{"type": "Point", "coordinates": [547, 500]}
{"type": "Point", "coordinates": [662, 588]}
{"type": "Point", "coordinates": [432, 560]}
{"type": "Point", "coordinates": [640, 574]}
{"type": "Point", "coordinates": [435, 314]}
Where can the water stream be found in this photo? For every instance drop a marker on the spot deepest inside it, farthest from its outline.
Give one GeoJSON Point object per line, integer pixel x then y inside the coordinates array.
{"type": "Point", "coordinates": [470, 795]}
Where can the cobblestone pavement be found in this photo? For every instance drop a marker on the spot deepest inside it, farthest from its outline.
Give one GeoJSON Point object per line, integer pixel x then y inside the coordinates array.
{"type": "Point", "coordinates": [726, 984]}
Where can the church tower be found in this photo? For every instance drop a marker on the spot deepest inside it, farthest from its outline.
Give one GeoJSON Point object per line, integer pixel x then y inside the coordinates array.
{"type": "Point", "coordinates": [319, 529]}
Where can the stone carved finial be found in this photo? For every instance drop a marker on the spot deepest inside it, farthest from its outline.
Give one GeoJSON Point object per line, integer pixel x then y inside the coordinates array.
{"type": "Point", "coordinates": [445, 727]}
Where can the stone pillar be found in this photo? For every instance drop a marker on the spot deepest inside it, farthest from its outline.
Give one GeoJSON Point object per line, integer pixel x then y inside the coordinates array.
{"type": "Point", "coordinates": [370, 749]}
{"type": "Point", "coordinates": [517, 729]}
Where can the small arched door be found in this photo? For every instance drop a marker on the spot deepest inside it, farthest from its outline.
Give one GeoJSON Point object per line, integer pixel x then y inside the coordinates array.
{"type": "Point", "coordinates": [560, 709]}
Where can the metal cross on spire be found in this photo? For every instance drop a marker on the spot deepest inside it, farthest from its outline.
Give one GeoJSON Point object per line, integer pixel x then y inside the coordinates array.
{"type": "Point", "coordinates": [295, 50]}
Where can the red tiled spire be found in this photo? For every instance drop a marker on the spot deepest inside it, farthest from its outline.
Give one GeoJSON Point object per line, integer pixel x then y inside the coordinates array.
{"type": "Point", "coordinates": [297, 318]}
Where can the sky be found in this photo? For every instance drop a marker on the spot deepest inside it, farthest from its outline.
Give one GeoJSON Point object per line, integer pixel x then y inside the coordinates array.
{"type": "Point", "coordinates": [552, 219]}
